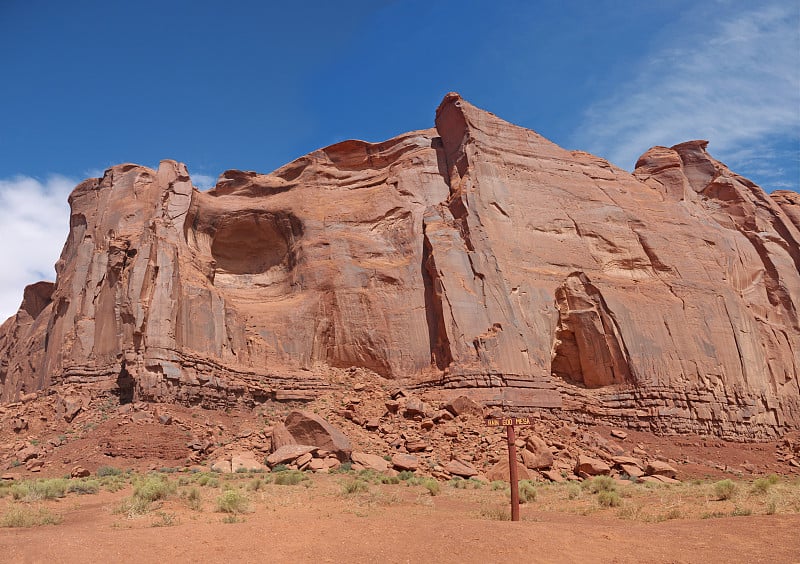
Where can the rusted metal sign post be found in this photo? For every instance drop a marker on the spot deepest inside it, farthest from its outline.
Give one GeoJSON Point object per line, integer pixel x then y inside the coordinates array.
{"type": "Point", "coordinates": [508, 423]}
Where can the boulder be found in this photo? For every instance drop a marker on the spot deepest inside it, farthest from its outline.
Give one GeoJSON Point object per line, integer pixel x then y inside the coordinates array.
{"type": "Point", "coordinates": [500, 472]}
{"type": "Point", "coordinates": [371, 461]}
{"type": "Point", "coordinates": [288, 453]}
{"type": "Point", "coordinates": [591, 466]}
{"type": "Point", "coordinates": [460, 468]}
{"type": "Point", "coordinates": [281, 436]}
{"type": "Point", "coordinates": [79, 472]}
{"type": "Point", "coordinates": [415, 407]}
{"type": "Point", "coordinates": [464, 405]}
{"type": "Point", "coordinates": [310, 429]}
{"type": "Point", "coordinates": [659, 468]}
{"type": "Point", "coordinates": [246, 460]}
{"type": "Point", "coordinates": [537, 455]}
{"type": "Point", "coordinates": [222, 466]}
{"type": "Point", "coordinates": [402, 461]}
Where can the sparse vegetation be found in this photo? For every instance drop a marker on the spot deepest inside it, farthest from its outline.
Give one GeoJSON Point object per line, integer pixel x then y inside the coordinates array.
{"type": "Point", "coordinates": [762, 485]}
{"type": "Point", "coordinates": [600, 484]}
{"type": "Point", "coordinates": [354, 486]}
{"type": "Point", "coordinates": [83, 486]}
{"type": "Point", "coordinates": [233, 501]}
{"type": "Point", "coordinates": [527, 491]}
{"type": "Point", "coordinates": [724, 489]}
{"type": "Point", "coordinates": [289, 477]}
{"type": "Point", "coordinates": [38, 490]}
{"type": "Point", "coordinates": [608, 498]}
{"type": "Point", "coordinates": [18, 515]}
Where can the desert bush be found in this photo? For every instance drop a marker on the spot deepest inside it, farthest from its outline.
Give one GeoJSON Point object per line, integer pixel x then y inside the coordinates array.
{"type": "Point", "coordinates": [113, 483]}
{"type": "Point", "coordinates": [104, 471]}
{"type": "Point", "coordinates": [255, 484]}
{"type": "Point", "coordinates": [390, 480]}
{"type": "Point", "coordinates": [527, 491]}
{"type": "Point", "coordinates": [83, 487]}
{"type": "Point", "coordinates": [233, 501]}
{"type": "Point", "coordinates": [153, 488]}
{"type": "Point", "coordinates": [208, 480]}
{"type": "Point", "coordinates": [280, 468]}
{"type": "Point", "coordinates": [289, 478]}
{"type": "Point", "coordinates": [462, 484]}
{"type": "Point", "coordinates": [762, 485]}
{"type": "Point", "coordinates": [573, 491]}
{"type": "Point", "coordinates": [355, 486]}
{"type": "Point", "coordinates": [26, 516]}
{"type": "Point", "coordinates": [432, 486]}
{"type": "Point", "coordinates": [600, 484]}
{"type": "Point", "coordinates": [193, 499]}
{"type": "Point", "coordinates": [498, 485]}
{"type": "Point", "coordinates": [608, 498]}
{"type": "Point", "coordinates": [741, 511]}
{"type": "Point", "coordinates": [724, 489]}
{"type": "Point", "coordinates": [496, 513]}
{"type": "Point", "coordinates": [53, 488]}
{"type": "Point", "coordinates": [343, 468]}
{"type": "Point", "coordinates": [405, 475]}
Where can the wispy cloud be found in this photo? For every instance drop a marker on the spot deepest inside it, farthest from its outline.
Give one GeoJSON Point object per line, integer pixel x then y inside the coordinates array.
{"type": "Point", "coordinates": [203, 181]}
{"type": "Point", "coordinates": [34, 223]}
{"type": "Point", "coordinates": [735, 82]}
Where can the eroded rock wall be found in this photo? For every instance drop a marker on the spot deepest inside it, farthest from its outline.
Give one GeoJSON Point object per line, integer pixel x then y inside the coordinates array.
{"type": "Point", "coordinates": [476, 257]}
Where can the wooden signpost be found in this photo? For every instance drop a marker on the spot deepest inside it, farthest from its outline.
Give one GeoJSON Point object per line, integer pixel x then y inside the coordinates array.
{"type": "Point", "coordinates": [509, 423]}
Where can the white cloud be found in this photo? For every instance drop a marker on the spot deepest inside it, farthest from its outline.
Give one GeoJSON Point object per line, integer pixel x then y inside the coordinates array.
{"type": "Point", "coordinates": [203, 181]}
{"type": "Point", "coordinates": [34, 223]}
{"type": "Point", "coordinates": [734, 81]}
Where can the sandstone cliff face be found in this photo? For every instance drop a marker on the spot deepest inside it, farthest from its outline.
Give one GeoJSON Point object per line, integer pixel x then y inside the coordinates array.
{"type": "Point", "coordinates": [476, 256]}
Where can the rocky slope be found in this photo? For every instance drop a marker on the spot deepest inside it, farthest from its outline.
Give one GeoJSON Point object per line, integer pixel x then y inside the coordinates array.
{"type": "Point", "coordinates": [476, 258]}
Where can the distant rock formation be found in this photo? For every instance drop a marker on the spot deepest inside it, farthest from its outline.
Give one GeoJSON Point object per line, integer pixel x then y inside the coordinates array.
{"type": "Point", "coordinates": [475, 258]}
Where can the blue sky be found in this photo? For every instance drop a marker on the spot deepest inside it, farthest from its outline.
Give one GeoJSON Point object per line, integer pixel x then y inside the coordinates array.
{"type": "Point", "coordinates": [252, 85]}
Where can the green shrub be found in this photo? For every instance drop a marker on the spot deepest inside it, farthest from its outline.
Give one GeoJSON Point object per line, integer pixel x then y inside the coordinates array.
{"type": "Point", "coordinates": [608, 498]}
{"type": "Point", "coordinates": [193, 499]}
{"type": "Point", "coordinates": [153, 487]}
{"type": "Point", "coordinates": [233, 501]}
{"type": "Point", "coordinates": [280, 468]}
{"type": "Point", "coordinates": [351, 487]}
{"type": "Point", "coordinates": [600, 484]}
{"type": "Point", "coordinates": [573, 491]}
{"type": "Point", "coordinates": [208, 480]}
{"type": "Point", "coordinates": [498, 485]}
{"type": "Point", "coordinates": [113, 483]}
{"type": "Point", "coordinates": [343, 468]}
{"type": "Point", "coordinates": [41, 489]}
{"type": "Point", "coordinates": [255, 484]}
{"type": "Point", "coordinates": [432, 486]}
{"type": "Point", "coordinates": [390, 480]}
{"type": "Point", "coordinates": [108, 471]}
{"type": "Point", "coordinates": [527, 491]}
{"type": "Point", "coordinates": [83, 486]}
{"type": "Point", "coordinates": [25, 516]}
{"type": "Point", "coordinates": [724, 489]}
{"type": "Point", "coordinates": [762, 485]}
{"type": "Point", "coordinates": [289, 478]}
{"type": "Point", "coordinates": [405, 475]}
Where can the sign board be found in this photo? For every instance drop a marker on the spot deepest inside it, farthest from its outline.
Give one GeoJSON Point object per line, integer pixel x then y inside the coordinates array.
{"type": "Point", "coordinates": [506, 421]}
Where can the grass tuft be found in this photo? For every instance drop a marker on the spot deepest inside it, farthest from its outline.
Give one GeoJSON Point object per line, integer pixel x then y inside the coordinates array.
{"type": "Point", "coordinates": [25, 516]}
{"type": "Point", "coordinates": [233, 501]}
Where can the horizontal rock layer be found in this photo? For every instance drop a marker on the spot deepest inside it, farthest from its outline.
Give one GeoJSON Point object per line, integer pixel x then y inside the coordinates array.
{"type": "Point", "coordinates": [474, 257]}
